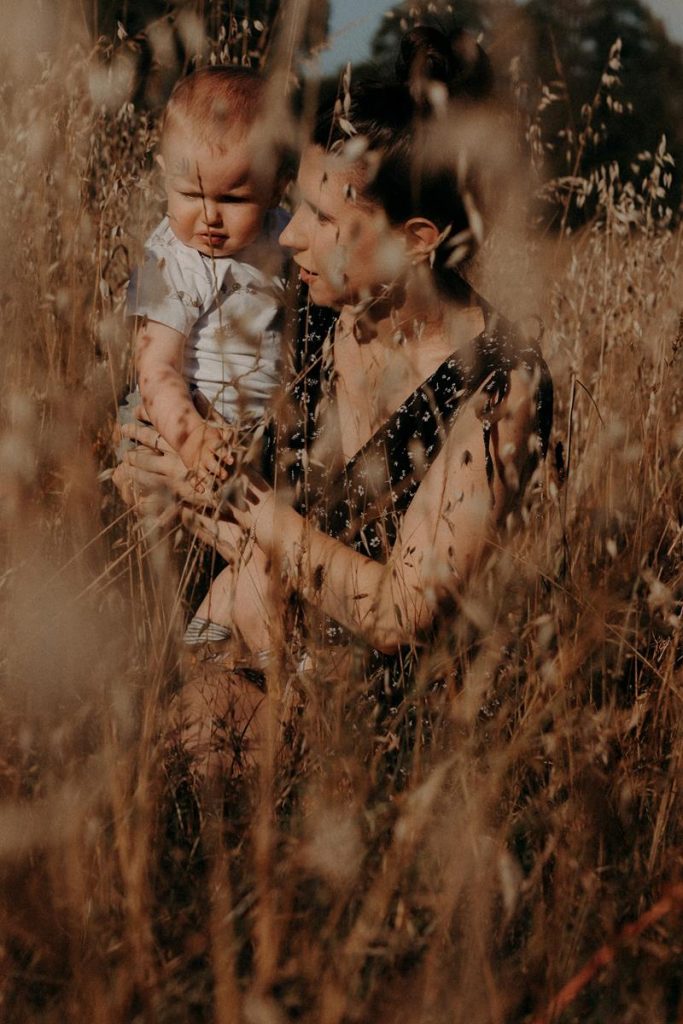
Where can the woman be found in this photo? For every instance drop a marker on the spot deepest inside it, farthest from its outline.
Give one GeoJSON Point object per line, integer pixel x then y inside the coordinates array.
{"type": "Point", "coordinates": [417, 416]}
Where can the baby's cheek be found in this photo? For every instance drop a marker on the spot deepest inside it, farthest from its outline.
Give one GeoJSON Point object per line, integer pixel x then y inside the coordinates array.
{"type": "Point", "coordinates": [252, 223]}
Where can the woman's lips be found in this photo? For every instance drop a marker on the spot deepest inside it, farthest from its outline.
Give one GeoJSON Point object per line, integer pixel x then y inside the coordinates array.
{"type": "Point", "coordinates": [307, 276]}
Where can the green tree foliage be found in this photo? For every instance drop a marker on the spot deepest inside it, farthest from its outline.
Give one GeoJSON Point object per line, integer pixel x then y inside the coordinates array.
{"type": "Point", "coordinates": [135, 15]}
{"type": "Point", "coordinates": [590, 104]}
{"type": "Point", "coordinates": [475, 15]}
{"type": "Point", "coordinates": [167, 39]}
{"type": "Point", "coordinates": [631, 106]}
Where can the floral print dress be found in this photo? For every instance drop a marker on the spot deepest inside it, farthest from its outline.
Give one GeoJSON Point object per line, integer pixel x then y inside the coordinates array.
{"type": "Point", "coordinates": [362, 502]}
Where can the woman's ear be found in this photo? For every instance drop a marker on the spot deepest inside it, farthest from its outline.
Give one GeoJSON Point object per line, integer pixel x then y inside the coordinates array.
{"type": "Point", "coordinates": [422, 237]}
{"type": "Point", "coordinates": [160, 162]}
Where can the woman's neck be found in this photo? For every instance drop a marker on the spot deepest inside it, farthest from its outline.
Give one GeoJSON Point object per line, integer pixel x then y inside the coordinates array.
{"type": "Point", "coordinates": [415, 320]}
{"type": "Point", "coordinates": [380, 363]}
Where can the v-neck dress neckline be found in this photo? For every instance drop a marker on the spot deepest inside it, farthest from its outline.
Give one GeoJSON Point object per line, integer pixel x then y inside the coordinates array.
{"type": "Point", "coordinates": [431, 382]}
{"type": "Point", "coordinates": [375, 437]}
{"type": "Point", "coordinates": [362, 501]}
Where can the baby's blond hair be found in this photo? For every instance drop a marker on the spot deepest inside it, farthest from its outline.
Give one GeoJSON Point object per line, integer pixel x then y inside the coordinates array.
{"type": "Point", "coordinates": [213, 102]}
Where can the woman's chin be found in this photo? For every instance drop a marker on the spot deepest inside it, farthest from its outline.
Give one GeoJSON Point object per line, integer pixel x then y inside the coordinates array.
{"type": "Point", "coordinates": [321, 294]}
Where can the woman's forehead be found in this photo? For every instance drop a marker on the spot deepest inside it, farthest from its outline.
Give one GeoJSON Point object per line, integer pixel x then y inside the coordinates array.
{"type": "Point", "coordinates": [328, 177]}
{"type": "Point", "coordinates": [318, 168]}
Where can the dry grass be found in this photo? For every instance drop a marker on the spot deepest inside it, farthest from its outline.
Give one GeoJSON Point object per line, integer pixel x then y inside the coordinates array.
{"type": "Point", "coordinates": [458, 860]}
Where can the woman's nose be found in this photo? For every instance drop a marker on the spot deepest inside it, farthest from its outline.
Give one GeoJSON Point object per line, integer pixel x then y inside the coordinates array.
{"type": "Point", "coordinates": [294, 236]}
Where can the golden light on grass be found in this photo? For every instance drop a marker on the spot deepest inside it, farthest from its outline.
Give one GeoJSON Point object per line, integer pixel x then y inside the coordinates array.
{"type": "Point", "coordinates": [460, 856]}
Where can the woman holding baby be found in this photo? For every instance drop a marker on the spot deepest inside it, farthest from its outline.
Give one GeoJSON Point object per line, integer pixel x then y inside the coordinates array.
{"type": "Point", "coordinates": [416, 416]}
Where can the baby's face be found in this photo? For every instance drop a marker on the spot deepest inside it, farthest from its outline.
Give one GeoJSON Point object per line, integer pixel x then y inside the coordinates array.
{"type": "Point", "coordinates": [215, 205]}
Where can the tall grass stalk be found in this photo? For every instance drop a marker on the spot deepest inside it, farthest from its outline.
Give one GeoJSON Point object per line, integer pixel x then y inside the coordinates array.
{"type": "Point", "coordinates": [464, 876]}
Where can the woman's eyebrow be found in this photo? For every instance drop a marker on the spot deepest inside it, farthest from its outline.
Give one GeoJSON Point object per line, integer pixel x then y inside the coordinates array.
{"type": "Point", "coordinates": [317, 211]}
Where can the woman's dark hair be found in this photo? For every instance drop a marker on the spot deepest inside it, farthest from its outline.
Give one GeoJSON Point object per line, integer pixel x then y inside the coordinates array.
{"type": "Point", "coordinates": [407, 123]}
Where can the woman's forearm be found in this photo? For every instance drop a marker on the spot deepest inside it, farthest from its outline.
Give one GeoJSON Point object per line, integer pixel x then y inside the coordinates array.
{"type": "Point", "coordinates": [377, 602]}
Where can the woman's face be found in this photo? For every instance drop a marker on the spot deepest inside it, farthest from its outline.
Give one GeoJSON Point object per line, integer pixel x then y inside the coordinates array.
{"type": "Point", "coordinates": [346, 251]}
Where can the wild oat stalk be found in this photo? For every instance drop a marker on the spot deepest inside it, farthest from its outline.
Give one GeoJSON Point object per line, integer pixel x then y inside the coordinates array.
{"type": "Point", "coordinates": [459, 860]}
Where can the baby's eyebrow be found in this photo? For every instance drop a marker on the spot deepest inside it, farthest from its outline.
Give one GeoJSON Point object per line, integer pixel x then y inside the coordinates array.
{"type": "Point", "coordinates": [190, 175]}
{"type": "Point", "coordinates": [190, 186]}
{"type": "Point", "coordinates": [182, 166]}
{"type": "Point", "coordinates": [240, 182]}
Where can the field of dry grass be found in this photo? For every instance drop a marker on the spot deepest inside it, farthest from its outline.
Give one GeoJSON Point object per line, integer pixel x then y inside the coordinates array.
{"type": "Point", "coordinates": [460, 861]}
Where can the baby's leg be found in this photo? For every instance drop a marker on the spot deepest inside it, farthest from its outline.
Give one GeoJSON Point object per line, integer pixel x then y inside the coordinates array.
{"type": "Point", "coordinates": [237, 601]}
{"type": "Point", "coordinates": [221, 714]}
{"type": "Point", "coordinates": [220, 720]}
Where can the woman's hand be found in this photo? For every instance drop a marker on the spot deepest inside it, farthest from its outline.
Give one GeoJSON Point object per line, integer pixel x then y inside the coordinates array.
{"type": "Point", "coordinates": [152, 477]}
{"type": "Point", "coordinates": [226, 537]}
{"type": "Point", "coordinates": [253, 505]}
{"type": "Point", "coordinates": [208, 452]}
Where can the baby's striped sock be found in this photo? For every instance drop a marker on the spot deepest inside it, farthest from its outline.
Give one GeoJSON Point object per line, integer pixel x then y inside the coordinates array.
{"type": "Point", "coordinates": [204, 631]}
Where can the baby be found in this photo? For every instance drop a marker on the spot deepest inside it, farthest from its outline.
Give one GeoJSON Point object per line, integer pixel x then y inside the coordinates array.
{"type": "Point", "coordinates": [209, 294]}
{"type": "Point", "coordinates": [208, 298]}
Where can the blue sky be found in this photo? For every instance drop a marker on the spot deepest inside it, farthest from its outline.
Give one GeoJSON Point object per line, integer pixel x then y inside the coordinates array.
{"type": "Point", "coordinates": [354, 22]}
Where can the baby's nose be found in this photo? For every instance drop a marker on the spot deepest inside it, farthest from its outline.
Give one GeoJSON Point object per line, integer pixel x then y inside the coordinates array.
{"type": "Point", "coordinates": [212, 212]}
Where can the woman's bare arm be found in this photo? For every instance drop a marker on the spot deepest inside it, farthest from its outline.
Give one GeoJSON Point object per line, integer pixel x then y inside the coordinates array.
{"type": "Point", "coordinates": [444, 533]}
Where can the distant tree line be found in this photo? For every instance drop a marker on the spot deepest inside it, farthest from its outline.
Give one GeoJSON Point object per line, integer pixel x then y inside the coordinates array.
{"type": "Point", "coordinates": [135, 15]}
{"type": "Point", "coordinates": [161, 36]}
{"type": "Point", "coordinates": [552, 59]}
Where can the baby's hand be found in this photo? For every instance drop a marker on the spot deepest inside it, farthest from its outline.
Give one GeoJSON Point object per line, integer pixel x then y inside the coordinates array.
{"type": "Point", "coordinates": [208, 452]}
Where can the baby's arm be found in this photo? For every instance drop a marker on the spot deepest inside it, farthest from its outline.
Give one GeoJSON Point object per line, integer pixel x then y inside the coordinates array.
{"type": "Point", "coordinates": [203, 447]}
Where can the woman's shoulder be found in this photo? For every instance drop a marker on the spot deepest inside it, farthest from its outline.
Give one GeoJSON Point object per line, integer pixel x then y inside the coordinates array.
{"type": "Point", "coordinates": [509, 365]}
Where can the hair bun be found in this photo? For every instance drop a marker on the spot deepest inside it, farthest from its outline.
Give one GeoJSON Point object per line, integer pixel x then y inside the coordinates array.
{"type": "Point", "coordinates": [428, 55]}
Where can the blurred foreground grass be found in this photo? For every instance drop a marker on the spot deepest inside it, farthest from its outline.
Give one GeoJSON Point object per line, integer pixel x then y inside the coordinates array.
{"type": "Point", "coordinates": [464, 878]}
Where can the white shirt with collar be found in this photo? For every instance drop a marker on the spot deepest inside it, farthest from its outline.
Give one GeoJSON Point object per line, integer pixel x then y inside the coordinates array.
{"type": "Point", "coordinates": [229, 308]}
